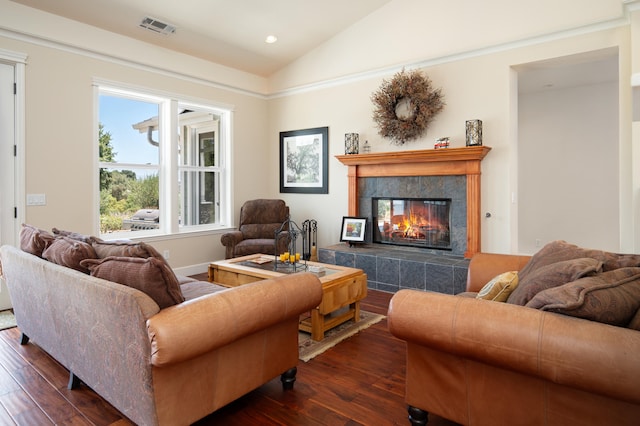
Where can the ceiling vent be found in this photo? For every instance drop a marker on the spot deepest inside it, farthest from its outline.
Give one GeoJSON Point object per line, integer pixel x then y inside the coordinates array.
{"type": "Point", "coordinates": [157, 26]}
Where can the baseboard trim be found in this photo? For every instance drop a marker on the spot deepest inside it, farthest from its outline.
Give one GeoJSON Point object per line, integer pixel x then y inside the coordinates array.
{"type": "Point", "coordinates": [192, 269]}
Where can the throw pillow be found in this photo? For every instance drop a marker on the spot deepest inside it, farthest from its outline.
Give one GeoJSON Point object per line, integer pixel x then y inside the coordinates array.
{"type": "Point", "coordinates": [611, 297]}
{"type": "Point", "coordinates": [500, 287]}
{"type": "Point", "coordinates": [34, 240]}
{"type": "Point", "coordinates": [557, 251]}
{"type": "Point", "coordinates": [73, 235]}
{"type": "Point", "coordinates": [124, 249]}
{"type": "Point", "coordinates": [552, 275]}
{"type": "Point", "coordinates": [70, 253]}
{"type": "Point", "coordinates": [150, 275]}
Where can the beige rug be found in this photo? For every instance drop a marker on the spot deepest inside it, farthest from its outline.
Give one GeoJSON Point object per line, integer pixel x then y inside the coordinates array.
{"type": "Point", "coordinates": [7, 320]}
{"type": "Point", "coordinates": [309, 348]}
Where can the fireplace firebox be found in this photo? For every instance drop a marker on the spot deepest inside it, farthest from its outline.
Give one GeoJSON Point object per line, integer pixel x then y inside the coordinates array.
{"type": "Point", "coordinates": [416, 222]}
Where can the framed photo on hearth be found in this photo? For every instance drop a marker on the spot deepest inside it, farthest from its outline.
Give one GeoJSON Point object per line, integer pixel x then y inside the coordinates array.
{"type": "Point", "coordinates": [304, 161]}
{"type": "Point", "coordinates": [353, 229]}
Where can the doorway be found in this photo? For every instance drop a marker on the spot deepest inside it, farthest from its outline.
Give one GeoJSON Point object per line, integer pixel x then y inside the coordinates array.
{"type": "Point", "coordinates": [11, 146]}
{"type": "Point", "coordinates": [568, 151]}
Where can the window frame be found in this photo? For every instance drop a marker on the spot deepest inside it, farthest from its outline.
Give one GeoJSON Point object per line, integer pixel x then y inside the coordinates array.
{"type": "Point", "coordinates": [169, 167]}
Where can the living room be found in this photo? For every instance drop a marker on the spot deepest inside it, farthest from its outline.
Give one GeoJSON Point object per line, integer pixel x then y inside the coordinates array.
{"type": "Point", "coordinates": [331, 87]}
{"type": "Point", "coordinates": [555, 85]}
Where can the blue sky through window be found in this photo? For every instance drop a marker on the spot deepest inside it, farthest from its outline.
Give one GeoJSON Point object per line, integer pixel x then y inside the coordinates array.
{"type": "Point", "coordinates": [118, 115]}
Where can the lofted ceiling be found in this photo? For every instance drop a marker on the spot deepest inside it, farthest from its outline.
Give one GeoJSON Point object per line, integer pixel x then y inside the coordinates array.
{"type": "Point", "coordinates": [230, 33]}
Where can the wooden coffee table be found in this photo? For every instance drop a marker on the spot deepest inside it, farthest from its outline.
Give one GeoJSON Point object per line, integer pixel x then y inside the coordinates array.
{"type": "Point", "coordinates": [342, 288]}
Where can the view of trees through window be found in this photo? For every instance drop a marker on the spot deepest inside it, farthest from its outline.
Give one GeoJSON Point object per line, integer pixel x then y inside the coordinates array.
{"type": "Point", "coordinates": [130, 138]}
{"type": "Point", "coordinates": [134, 187]}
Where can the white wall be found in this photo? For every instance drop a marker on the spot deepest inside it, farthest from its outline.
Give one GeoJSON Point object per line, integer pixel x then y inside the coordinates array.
{"type": "Point", "coordinates": [473, 87]}
{"type": "Point", "coordinates": [568, 179]}
{"type": "Point", "coordinates": [411, 31]}
{"type": "Point", "coordinates": [60, 141]}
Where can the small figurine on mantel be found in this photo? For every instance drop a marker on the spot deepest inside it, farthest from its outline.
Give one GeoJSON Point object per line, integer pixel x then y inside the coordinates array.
{"type": "Point", "coordinates": [441, 143]}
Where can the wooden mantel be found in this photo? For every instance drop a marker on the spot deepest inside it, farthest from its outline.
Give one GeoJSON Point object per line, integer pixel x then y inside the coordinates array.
{"type": "Point", "coordinates": [430, 162]}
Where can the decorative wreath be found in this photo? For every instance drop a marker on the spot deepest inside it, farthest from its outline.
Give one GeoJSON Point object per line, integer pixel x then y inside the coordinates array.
{"type": "Point", "coordinates": [405, 106]}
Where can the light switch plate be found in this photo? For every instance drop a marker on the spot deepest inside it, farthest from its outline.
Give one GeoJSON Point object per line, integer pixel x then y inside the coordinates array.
{"type": "Point", "coordinates": [36, 199]}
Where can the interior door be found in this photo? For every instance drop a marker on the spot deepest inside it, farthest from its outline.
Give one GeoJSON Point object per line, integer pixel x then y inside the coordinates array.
{"type": "Point", "coordinates": [7, 165]}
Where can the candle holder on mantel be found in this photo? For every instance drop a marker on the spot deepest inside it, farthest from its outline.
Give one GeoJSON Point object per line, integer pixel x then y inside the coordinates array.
{"type": "Point", "coordinates": [290, 261]}
{"type": "Point", "coordinates": [351, 143]}
{"type": "Point", "coordinates": [474, 132]}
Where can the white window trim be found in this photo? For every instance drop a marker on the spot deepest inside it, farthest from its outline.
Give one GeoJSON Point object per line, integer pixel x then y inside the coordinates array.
{"type": "Point", "coordinates": [169, 110]}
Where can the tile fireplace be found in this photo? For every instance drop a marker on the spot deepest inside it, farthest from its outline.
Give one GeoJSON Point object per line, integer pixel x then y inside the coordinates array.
{"type": "Point", "coordinates": [449, 180]}
{"type": "Point", "coordinates": [451, 163]}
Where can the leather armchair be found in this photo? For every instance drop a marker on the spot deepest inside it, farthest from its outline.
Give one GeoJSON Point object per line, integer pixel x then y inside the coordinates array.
{"type": "Point", "coordinates": [259, 219]}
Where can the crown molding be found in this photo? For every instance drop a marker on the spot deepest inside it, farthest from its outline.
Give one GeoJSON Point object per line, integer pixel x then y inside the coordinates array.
{"type": "Point", "coordinates": [387, 71]}
{"type": "Point", "coordinates": [65, 47]}
{"type": "Point", "coordinates": [629, 6]}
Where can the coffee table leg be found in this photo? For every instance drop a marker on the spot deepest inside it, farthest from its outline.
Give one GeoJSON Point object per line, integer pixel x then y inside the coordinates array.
{"type": "Point", "coordinates": [356, 311]}
{"type": "Point", "coordinates": [317, 325]}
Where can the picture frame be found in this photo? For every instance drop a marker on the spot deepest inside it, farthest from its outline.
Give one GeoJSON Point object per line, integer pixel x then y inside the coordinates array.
{"type": "Point", "coordinates": [304, 161]}
{"type": "Point", "coordinates": [353, 229]}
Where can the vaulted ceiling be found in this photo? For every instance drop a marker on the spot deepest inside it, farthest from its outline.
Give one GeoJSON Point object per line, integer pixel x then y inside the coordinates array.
{"type": "Point", "coordinates": [227, 32]}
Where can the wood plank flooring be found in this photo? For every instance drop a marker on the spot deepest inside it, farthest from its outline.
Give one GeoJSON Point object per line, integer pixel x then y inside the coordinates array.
{"type": "Point", "coordinates": [358, 382]}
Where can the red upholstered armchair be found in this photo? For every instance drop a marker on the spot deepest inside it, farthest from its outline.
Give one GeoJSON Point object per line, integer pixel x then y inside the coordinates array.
{"type": "Point", "coordinates": [259, 219]}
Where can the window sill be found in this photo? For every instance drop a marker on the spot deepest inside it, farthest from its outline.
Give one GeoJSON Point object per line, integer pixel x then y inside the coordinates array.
{"type": "Point", "coordinates": [151, 237]}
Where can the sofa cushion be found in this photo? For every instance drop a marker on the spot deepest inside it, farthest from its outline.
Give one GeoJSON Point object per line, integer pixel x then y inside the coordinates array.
{"type": "Point", "coordinates": [34, 240]}
{"type": "Point", "coordinates": [194, 289]}
{"type": "Point", "coordinates": [500, 287]}
{"type": "Point", "coordinates": [150, 275]}
{"type": "Point", "coordinates": [70, 253]}
{"type": "Point", "coordinates": [260, 230]}
{"type": "Point", "coordinates": [258, 245]}
{"type": "Point", "coordinates": [634, 324]}
{"type": "Point", "coordinates": [552, 275]}
{"type": "Point", "coordinates": [611, 297]}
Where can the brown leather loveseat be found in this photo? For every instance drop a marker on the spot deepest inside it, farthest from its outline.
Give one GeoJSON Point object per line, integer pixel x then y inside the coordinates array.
{"type": "Point", "coordinates": [481, 362]}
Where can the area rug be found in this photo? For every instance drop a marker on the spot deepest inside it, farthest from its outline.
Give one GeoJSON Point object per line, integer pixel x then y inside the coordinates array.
{"type": "Point", "coordinates": [309, 348]}
{"type": "Point", "coordinates": [7, 320]}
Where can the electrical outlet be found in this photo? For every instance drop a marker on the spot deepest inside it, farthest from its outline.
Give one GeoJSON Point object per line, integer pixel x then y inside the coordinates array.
{"type": "Point", "coordinates": [165, 254]}
{"type": "Point", "coordinates": [537, 243]}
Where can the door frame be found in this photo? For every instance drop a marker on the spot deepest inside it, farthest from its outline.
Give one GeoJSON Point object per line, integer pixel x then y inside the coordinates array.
{"type": "Point", "coordinates": [16, 184]}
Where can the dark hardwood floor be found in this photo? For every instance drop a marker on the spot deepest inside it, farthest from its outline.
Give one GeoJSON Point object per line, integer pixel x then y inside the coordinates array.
{"type": "Point", "coordinates": [358, 382]}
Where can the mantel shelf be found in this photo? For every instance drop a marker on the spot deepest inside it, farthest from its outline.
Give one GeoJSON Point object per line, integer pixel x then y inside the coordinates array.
{"type": "Point", "coordinates": [471, 153]}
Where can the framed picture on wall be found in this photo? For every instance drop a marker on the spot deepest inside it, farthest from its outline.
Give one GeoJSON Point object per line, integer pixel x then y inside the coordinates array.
{"type": "Point", "coordinates": [304, 161]}
{"type": "Point", "coordinates": [353, 229]}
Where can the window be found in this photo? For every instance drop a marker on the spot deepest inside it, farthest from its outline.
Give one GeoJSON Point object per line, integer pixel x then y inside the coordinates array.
{"type": "Point", "coordinates": [153, 180]}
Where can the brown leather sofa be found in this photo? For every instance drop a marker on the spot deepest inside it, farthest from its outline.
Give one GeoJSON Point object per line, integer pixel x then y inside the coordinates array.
{"type": "Point", "coordinates": [259, 219]}
{"type": "Point", "coordinates": [479, 362]}
{"type": "Point", "coordinates": [169, 366]}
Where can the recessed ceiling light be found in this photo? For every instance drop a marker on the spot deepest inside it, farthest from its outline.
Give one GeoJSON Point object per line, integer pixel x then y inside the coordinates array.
{"type": "Point", "coordinates": [271, 39]}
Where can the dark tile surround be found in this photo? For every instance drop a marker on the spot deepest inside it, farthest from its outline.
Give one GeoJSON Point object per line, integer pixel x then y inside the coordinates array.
{"type": "Point", "coordinates": [454, 187]}
{"type": "Point", "coordinates": [391, 268]}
